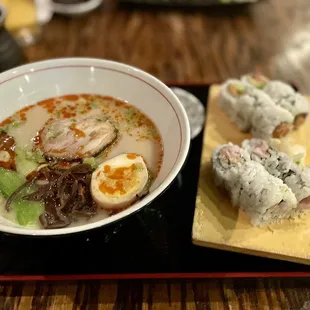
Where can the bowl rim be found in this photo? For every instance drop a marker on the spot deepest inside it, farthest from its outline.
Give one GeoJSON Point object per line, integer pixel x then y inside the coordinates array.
{"type": "Point", "coordinates": [136, 73]}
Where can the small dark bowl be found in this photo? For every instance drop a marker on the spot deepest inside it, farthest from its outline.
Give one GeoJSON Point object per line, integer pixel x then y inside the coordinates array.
{"type": "Point", "coordinates": [11, 54]}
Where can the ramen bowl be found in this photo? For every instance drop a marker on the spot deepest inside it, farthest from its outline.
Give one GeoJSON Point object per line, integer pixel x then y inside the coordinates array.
{"type": "Point", "coordinates": [26, 85]}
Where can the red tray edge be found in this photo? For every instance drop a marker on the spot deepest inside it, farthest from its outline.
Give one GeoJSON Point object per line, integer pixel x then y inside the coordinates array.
{"type": "Point", "coordinates": [150, 276]}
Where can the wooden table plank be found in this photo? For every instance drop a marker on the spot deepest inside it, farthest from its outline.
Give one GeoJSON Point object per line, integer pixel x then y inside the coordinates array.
{"type": "Point", "coordinates": [173, 45]}
{"type": "Point", "coordinates": [199, 294]}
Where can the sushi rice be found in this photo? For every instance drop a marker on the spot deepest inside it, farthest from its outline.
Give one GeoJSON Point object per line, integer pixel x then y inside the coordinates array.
{"type": "Point", "coordinates": [286, 97]}
{"type": "Point", "coordinates": [229, 101]}
{"type": "Point", "coordinates": [249, 107]}
{"type": "Point", "coordinates": [295, 151]}
{"type": "Point", "coordinates": [280, 165]}
{"type": "Point", "coordinates": [271, 121]}
{"type": "Point", "coordinates": [282, 94]}
{"type": "Point", "coordinates": [278, 90]}
{"type": "Point", "coordinates": [265, 198]}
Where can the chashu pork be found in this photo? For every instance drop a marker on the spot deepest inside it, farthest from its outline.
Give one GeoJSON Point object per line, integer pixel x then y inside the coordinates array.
{"type": "Point", "coordinates": [76, 138]}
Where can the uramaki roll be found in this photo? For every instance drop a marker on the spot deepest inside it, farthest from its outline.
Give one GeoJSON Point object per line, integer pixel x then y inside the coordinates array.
{"type": "Point", "coordinates": [256, 80]}
{"type": "Point", "coordinates": [286, 97]}
{"type": "Point", "coordinates": [246, 105]}
{"type": "Point", "coordinates": [231, 92]}
{"type": "Point", "coordinates": [281, 166]}
{"type": "Point", "coordinates": [271, 121]}
{"type": "Point", "coordinates": [282, 94]}
{"type": "Point", "coordinates": [265, 198]}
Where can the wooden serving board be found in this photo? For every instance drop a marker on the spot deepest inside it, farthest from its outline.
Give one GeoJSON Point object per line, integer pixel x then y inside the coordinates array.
{"type": "Point", "coordinates": [218, 225]}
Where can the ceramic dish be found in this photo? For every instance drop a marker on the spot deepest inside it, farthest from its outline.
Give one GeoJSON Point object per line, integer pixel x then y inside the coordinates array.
{"type": "Point", "coordinates": [31, 83]}
{"type": "Point", "coordinates": [76, 9]}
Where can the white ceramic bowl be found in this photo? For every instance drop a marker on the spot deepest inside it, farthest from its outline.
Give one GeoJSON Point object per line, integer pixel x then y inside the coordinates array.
{"type": "Point", "coordinates": [28, 84]}
{"type": "Point", "coordinates": [76, 9]}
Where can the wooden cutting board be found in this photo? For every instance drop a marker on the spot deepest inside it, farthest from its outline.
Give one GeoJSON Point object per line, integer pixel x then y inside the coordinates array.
{"type": "Point", "coordinates": [218, 225]}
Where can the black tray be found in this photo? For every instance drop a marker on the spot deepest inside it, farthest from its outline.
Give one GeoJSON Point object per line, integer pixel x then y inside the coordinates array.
{"type": "Point", "coordinates": [156, 242]}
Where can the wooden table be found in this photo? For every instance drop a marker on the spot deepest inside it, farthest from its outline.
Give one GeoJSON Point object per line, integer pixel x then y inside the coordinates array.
{"type": "Point", "coordinates": [188, 46]}
{"type": "Point", "coordinates": [133, 295]}
{"type": "Point", "coordinates": [198, 46]}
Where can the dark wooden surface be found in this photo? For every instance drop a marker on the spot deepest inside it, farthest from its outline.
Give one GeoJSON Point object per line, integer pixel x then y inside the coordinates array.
{"type": "Point", "coordinates": [185, 46]}
{"type": "Point", "coordinates": [226, 294]}
{"type": "Point", "coordinates": [180, 45]}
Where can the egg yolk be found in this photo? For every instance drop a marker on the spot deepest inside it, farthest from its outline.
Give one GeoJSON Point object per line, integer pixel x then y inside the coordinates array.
{"type": "Point", "coordinates": [131, 156]}
{"type": "Point", "coordinates": [117, 179]}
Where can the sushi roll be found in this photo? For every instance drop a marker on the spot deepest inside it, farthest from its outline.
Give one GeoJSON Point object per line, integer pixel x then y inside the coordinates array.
{"type": "Point", "coordinates": [248, 107]}
{"type": "Point", "coordinates": [277, 90]}
{"type": "Point", "coordinates": [226, 160]}
{"type": "Point", "coordinates": [271, 121]}
{"type": "Point", "coordinates": [286, 97]}
{"type": "Point", "coordinates": [256, 80]}
{"type": "Point", "coordinates": [265, 198]}
{"type": "Point", "coordinates": [231, 91]}
{"type": "Point", "coordinates": [296, 152]}
{"type": "Point", "coordinates": [283, 167]}
{"type": "Point", "coordinates": [282, 94]}
{"type": "Point", "coordinates": [240, 101]}
{"type": "Point", "coordinates": [255, 105]}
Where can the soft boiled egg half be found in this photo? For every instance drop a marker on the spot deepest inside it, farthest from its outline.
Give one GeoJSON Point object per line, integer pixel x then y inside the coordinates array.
{"type": "Point", "coordinates": [117, 182]}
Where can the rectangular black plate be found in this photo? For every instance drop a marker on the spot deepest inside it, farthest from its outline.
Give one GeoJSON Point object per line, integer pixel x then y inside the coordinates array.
{"type": "Point", "coordinates": [151, 243]}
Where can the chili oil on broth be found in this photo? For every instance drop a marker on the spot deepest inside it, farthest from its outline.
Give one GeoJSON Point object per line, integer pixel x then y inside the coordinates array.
{"type": "Point", "coordinates": [136, 133]}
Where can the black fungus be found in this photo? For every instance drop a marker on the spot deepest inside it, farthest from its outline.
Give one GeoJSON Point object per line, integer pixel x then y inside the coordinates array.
{"type": "Point", "coordinates": [65, 193]}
